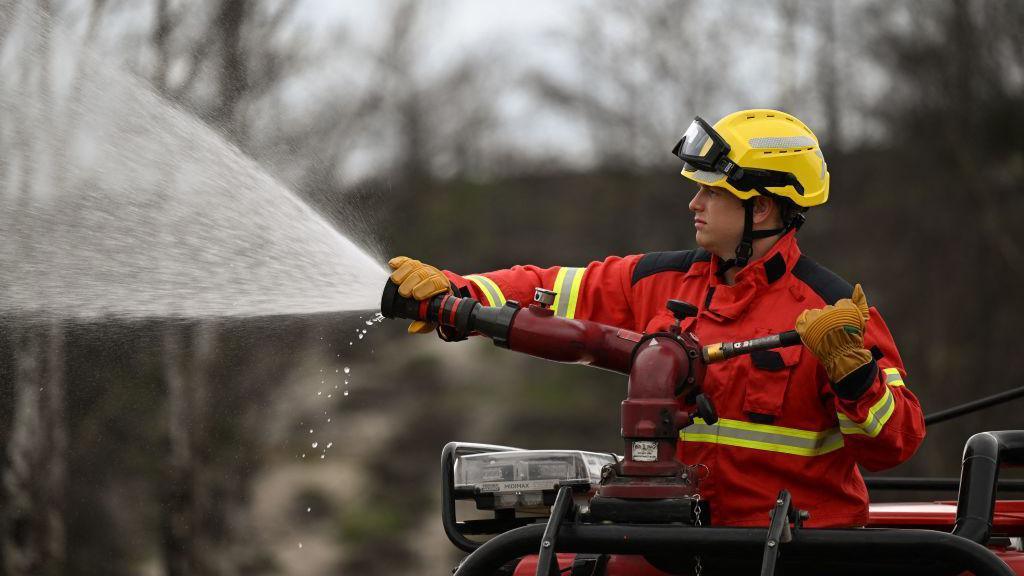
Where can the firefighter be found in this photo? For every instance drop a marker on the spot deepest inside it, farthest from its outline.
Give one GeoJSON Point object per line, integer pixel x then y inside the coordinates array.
{"type": "Point", "coordinates": [801, 418]}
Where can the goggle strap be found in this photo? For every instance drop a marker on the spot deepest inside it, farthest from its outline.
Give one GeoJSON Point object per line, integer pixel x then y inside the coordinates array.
{"type": "Point", "coordinates": [760, 180]}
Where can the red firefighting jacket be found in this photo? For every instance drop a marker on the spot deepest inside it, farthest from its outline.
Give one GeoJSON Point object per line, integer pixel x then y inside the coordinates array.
{"type": "Point", "coordinates": [782, 424]}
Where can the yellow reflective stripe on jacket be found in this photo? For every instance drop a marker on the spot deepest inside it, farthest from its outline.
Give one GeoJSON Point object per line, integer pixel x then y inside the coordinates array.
{"type": "Point", "coordinates": [878, 415]}
{"type": "Point", "coordinates": [567, 285]}
{"type": "Point", "coordinates": [892, 377]}
{"type": "Point", "coordinates": [763, 437]}
{"type": "Point", "coordinates": [489, 288]}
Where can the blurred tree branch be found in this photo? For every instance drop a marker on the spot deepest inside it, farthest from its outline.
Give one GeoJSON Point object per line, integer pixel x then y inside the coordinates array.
{"type": "Point", "coordinates": [33, 536]}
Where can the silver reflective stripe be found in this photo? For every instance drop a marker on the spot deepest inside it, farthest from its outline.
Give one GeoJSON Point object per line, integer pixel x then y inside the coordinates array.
{"type": "Point", "coordinates": [764, 437]}
{"type": "Point", "coordinates": [782, 142]}
{"type": "Point", "coordinates": [705, 176]}
{"type": "Point", "coordinates": [564, 297]}
{"type": "Point", "coordinates": [491, 290]}
{"type": "Point", "coordinates": [878, 415]}
{"type": "Point", "coordinates": [893, 378]}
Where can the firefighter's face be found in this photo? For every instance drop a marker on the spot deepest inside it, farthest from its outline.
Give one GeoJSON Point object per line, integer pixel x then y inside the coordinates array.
{"type": "Point", "coordinates": [718, 218]}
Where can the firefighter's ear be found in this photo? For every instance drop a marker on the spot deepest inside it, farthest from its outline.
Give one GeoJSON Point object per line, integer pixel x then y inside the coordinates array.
{"type": "Point", "coordinates": [764, 209]}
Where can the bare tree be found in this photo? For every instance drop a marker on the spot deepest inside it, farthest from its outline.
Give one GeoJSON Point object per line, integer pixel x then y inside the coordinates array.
{"type": "Point", "coordinates": [788, 53]}
{"type": "Point", "coordinates": [231, 63]}
{"type": "Point", "coordinates": [181, 513]}
{"type": "Point", "coordinates": [34, 532]}
{"type": "Point", "coordinates": [643, 72]}
{"type": "Point", "coordinates": [187, 502]}
{"type": "Point", "coordinates": [827, 72]}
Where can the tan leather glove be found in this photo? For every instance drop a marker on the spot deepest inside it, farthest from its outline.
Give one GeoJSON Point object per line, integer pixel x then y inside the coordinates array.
{"type": "Point", "coordinates": [835, 334]}
{"type": "Point", "coordinates": [420, 281]}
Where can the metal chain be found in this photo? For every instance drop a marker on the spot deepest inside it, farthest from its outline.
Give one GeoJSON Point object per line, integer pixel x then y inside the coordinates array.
{"type": "Point", "coordinates": [697, 511]}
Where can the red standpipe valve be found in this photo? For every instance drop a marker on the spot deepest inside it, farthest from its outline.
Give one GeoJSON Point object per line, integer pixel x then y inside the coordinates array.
{"type": "Point", "coordinates": [663, 370]}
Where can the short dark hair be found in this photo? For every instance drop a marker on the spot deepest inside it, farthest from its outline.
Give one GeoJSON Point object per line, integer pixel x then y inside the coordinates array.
{"type": "Point", "coordinates": [788, 210]}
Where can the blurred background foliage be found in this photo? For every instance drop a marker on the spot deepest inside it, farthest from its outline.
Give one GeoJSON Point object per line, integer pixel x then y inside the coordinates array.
{"type": "Point", "coordinates": [184, 448]}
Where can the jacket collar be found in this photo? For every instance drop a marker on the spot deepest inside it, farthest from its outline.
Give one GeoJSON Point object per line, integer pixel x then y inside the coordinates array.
{"type": "Point", "coordinates": [757, 276]}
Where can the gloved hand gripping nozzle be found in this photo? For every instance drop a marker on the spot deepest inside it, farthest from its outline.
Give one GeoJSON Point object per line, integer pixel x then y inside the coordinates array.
{"type": "Point", "coordinates": [419, 281]}
{"type": "Point", "coordinates": [464, 315]}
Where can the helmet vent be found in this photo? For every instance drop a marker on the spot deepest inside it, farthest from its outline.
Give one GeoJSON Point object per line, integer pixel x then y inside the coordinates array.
{"type": "Point", "coordinates": [785, 142]}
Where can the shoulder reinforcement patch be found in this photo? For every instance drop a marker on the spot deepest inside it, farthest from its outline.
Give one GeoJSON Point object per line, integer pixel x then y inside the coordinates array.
{"type": "Point", "coordinates": [825, 283]}
{"type": "Point", "coordinates": [679, 261]}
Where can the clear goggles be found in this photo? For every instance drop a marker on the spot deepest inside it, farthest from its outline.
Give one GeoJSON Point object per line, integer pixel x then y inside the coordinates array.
{"type": "Point", "coordinates": [701, 148]}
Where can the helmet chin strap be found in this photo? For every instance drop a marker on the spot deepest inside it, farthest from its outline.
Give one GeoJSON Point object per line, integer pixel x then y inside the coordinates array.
{"type": "Point", "coordinates": [745, 249]}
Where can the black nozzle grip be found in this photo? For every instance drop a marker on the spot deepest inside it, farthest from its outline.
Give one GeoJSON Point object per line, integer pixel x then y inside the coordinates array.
{"type": "Point", "coordinates": [790, 338]}
{"type": "Point", "coordinates": [705, 409]}
{"type": "Point", "coordinates": [394, 305]}
{"type": "Point", "coordinates": [681, 310]}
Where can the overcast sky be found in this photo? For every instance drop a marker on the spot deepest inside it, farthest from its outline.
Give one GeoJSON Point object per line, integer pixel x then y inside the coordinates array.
{"type": "Point", "coordinates": [531, 34]}
{"type": "Point", "coordinates": [518, 36]}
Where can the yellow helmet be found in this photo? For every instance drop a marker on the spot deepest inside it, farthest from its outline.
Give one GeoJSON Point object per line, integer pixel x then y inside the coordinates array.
{"type": "Point", "coordinates": [754, 152]}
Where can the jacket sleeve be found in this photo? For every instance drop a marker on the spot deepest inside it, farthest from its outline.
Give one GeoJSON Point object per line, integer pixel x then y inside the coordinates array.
{"type": "Point", "coordinates": [599, 292]}
{"type": "Point", "coordinates": [879, 417]}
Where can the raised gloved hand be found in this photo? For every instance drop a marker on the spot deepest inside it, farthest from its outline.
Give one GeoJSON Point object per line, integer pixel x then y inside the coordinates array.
{"type": "Point", "coordinates": [835, 334]}
{"type": "Point", "coordinates": [420, 281]}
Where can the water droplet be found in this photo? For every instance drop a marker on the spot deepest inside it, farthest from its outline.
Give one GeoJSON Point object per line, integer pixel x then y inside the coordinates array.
{"type": "Point", "coordinates": [315, 444]}
{"type": "Point", "coordinates": [328, 420]}
{"type": "Point", "coordinates": [346, 392]}
{"type": "Point", "coordinates": [369, 322]}
{"type": "Point", "coordinates": [349, 343]}
{"type": "Point", "coordinates": [322, 456]}
{"type": "Point", "coordinates": [347, 370]}
{"type": "Point", "coordinates": [329, 444]}
{"type": "Point", "coordinates": [310, 430]}
{"type": "Point", "coordinates": [303, 455]}
{"type": "Point", "coordinates": [364, 330]}
{"type": "Point", "coordinates": [330, 395]}
{"type": "Point", "coordinates": [335, 370]}
{"type": "Point", "coordinates": [346, 382]}
{"type": "Point", "coordinates": [360, 336]}
{"type": "Point", "coordinates": [300, 544]}
{"type": "Point", "coordinates": [308, 509]}
{"type": "Point", "coordinates": [319, 392]}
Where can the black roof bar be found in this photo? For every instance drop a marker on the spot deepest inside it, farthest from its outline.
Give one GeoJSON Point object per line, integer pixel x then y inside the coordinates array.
{"type": "Point", "coordinates": [937, 484]}
{"type": "Point", "coordinates": [973, 406]}
{"type": "Point", "coordinates": [817, 551]}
